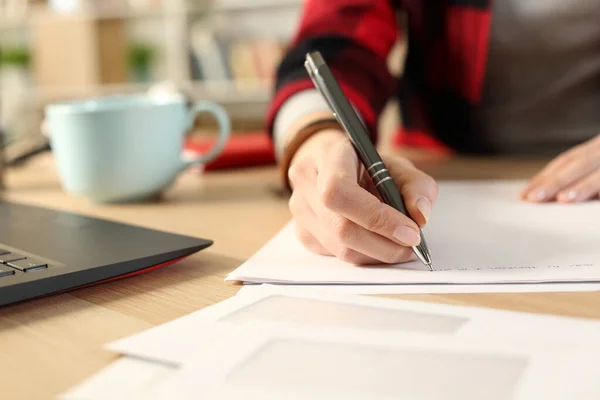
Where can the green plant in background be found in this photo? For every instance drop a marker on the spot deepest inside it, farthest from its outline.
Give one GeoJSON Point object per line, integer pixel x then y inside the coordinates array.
{"type": "Point", "coordinates": [141, 56]}
{"type": "Point", "coordinates": [15, 56]}
{"type": "Point", "coordinates": [15, 61]}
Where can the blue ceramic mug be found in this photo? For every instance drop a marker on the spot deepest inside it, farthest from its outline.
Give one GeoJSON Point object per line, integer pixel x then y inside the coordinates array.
{"type": "Point", "coordinates": [127, 147]}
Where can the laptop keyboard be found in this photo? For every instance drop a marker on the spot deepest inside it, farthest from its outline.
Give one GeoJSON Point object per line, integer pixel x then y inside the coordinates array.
{"type": "Point", "coordinates": [6, 271]}
{"type": "Point", "coordinates": [11, 263]}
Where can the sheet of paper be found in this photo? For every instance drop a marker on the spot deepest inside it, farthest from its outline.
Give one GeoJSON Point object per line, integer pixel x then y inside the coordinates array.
{"type": "Point", "coordinates": [444, 288]}
{"type": "Point", "coordinates": [119, 381]}
{"type": "Point", "coordinates": [297, 307]}
{"type": "Point", "coordinates": [302, 364]}
{"type": "Point", "coordinates": [478, 233]}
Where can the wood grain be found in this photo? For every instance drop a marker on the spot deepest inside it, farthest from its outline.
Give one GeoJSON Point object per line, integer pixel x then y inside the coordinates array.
{"type": "Point", "coordinates": [51, 344]}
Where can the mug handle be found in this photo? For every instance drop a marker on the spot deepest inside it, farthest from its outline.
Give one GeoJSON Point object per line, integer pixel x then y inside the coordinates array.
{"type": "Point", "coordinates": [224, 123]}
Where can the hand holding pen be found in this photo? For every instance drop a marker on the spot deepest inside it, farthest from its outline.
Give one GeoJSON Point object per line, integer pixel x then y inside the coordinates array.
{"type": "Point", "coordinates": [338, 211]}
{"type": "Point", "coordinates": [334, 213]}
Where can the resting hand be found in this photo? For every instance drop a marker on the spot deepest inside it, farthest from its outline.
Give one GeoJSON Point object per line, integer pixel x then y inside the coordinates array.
{"type": "Point", "coordinates": [337, 209]}
{"type": "Point", "coordinates": [572, 177]}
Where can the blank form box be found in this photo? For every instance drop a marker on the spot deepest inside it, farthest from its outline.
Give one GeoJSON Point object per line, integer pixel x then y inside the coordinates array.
{"type": "Point", "coordinates": [281, 308]}
{"type": "Point", "coordinates": [360, 371]}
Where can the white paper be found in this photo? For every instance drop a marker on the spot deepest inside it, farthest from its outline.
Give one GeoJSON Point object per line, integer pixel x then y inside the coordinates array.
{"type": "Point", "coordinates": [175, 342]}
{"type": "Point", "coordinates": [121, 380]}
{"type": "Point", "coordinates": [478, 233]}
{"type": "Point", "coordinates": [443, 288]}
{"type": "Point", "coordinates": [302, 364]}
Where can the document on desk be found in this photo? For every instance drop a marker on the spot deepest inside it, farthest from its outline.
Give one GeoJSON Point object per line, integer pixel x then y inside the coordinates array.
{"type": "Point", "coordinates": [479, 233]}
{"type": "Point", "coordinates": [120, 380]}
{"type": "Point", "coordinates": [297, 307]}
{"type": "Point", "coordinates": [305, 363]}
{"type": "Point", "coordinates": [441, 288]}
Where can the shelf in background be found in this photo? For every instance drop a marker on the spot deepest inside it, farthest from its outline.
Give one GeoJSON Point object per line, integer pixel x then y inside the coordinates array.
{"type": "Point", "coordinates": [254, 5]}
{"type": "Point", "coordinates": [242, 103]}
{"type": "Point", "coordinates": [226, 6]}
{"type": "Point", "coordinates": [21, 22]}
{"type": "Point", "coordinates": [224, 92]}
{"type": "Point", "coordinates": [228, 92]}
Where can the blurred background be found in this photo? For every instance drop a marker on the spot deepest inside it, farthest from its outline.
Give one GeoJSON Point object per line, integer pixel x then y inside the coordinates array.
{"type": "Point", "coordinates": [220, 50]}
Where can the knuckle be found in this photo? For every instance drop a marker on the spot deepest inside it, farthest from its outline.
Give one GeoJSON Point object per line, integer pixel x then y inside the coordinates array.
{"type": "Point", "coordinates": [379, 220]}
{"type": "Point", "coordinates": [402, 162]}
{"type": "Point", "coordinates": [332, 193]}
{"type": "Point", "coordinates": [563, 159]}
{"type": "Point", "coordinates": [561, 180]}
{"type": "Point", "coordinates": [344, 230]}
{"type": "Point", "coordinates": [348, 255]}
{"type": "Point", "coordinates": [294, 172]}
{"type": "Point", "coordinates": [569, 156]}
{"type": "Point", "coordinates": [303, 236]}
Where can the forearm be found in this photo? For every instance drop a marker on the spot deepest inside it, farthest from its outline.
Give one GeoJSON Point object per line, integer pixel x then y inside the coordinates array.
{"type": "Point", "coordinates": [355, 38]}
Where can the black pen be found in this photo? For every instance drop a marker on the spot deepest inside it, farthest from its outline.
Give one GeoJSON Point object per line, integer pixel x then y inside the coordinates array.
{"type": "Point", "coordinates": [343, 111]}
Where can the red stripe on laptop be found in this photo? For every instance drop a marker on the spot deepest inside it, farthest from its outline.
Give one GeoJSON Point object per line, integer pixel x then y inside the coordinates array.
{"type": "Point", "coordinates": [128, 275]}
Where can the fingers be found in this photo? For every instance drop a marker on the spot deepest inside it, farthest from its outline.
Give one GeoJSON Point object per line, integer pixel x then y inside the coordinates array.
{"type": "Point", "coordinates": [556, 179]}
{"type": "Point", "coordinates": [343, 238]}
{"type": "Point", "coordinates": [315, 235]}
{"type": "Point", "coordinates": [585, 189]}
{"type": "Point", "coordinates": [339, 236]}
{"type": "Point", "coordinates": [339, 191]}
{"type": "Point", "coordinates": [306, 222]}
{"type": "Point", "coordinates": [564, 172]}
{"type": "Point", "coordinates": [531, 191]}
{"type": "Point", "coordinates": [419, 190]}
{"type": "Point", "coordinates": [358, 245]}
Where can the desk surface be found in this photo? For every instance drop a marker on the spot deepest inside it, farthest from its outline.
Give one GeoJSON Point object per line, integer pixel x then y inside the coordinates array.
{"type": "Point", "coordinates": [48, 345]}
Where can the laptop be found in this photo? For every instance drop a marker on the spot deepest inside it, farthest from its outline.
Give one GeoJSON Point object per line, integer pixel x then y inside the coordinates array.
{"type": "Point", "coordinates": [44, 251]}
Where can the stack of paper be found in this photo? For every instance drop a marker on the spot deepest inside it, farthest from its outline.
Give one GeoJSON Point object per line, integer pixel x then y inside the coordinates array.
{"type": "Point", "coordinates": [479, 234]}
{"type": "Point", "coordinates": [293, 343]}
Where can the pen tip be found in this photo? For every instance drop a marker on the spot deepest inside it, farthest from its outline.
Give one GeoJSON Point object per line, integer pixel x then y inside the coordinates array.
{"type": "Point", "coordinates": [430, 265]}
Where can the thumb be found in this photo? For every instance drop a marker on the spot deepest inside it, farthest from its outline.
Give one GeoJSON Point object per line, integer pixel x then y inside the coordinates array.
{"type": "Point", "coordinates": [419, 190]}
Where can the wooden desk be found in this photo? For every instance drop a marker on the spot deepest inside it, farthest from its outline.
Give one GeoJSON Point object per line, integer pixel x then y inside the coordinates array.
{"type": "Point", "coordinates": [48, 345]}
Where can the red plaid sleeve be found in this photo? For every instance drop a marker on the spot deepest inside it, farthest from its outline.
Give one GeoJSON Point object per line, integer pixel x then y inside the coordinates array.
{"type": "Point", "coordinates": [355, 38]}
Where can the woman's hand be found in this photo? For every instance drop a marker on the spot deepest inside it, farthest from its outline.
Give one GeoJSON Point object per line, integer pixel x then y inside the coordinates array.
{"type": "Point", "coordinates": [338, 212]}
{"type": "Point", "coordinates": [572, 177]}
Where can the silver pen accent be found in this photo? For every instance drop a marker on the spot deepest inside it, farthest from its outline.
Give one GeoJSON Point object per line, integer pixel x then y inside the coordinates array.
{"type": "Point", "coordinates": [374, 165]}
{"type": "Point", "coordinates": [387, 178]}
{"type": "Point", "coordinates": [422, 252]}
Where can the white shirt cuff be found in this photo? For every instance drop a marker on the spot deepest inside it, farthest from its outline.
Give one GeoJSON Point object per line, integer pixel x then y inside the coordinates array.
{"type": "Point", "coordinates": [295, 108]}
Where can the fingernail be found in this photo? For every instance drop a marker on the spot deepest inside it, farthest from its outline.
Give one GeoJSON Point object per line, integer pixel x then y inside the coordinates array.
{"type": "Point", "coordinates": [538, 195]}
{"type": "Point", "coordinates": [569, 196]}
{"type": "Point", "coordinates": [407, 236]}
{"type": "Point", "coordinates": [424, 206]}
